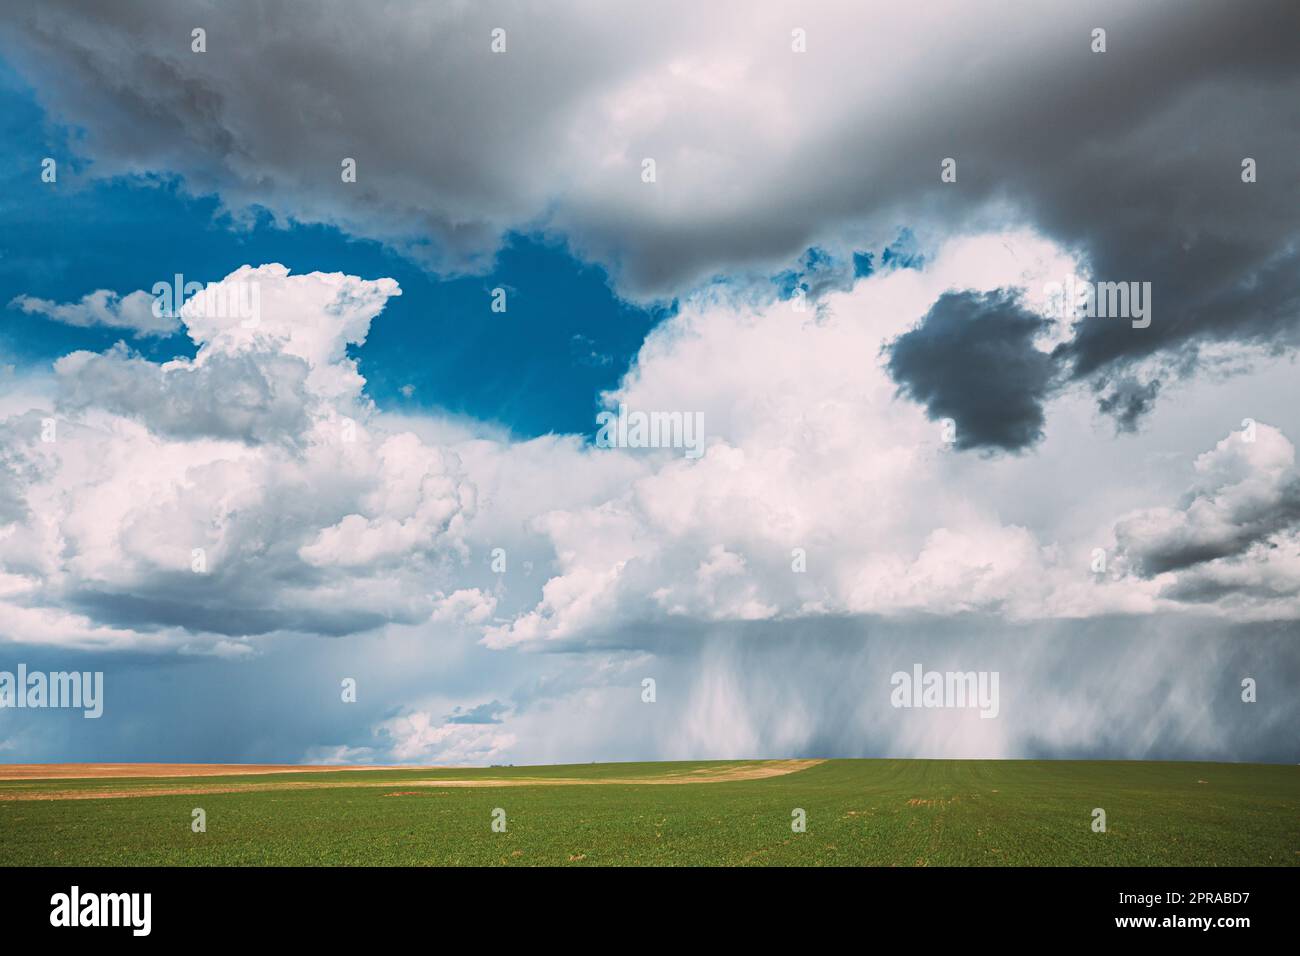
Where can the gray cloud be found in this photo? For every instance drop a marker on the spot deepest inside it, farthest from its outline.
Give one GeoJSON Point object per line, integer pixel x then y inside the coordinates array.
{"type": "Point", "coordinates": [1185, 547]}
{"type": "Point", "coordinates": [1126, 399]}
{"type": "Point", "coordinates": [1131, 156]}
{"type": "Point", "coordinates": [488, 713]}
{"type": "Point", "coordinates": [972, 359]}
{"type": "Point", "coordinates": [1246, 496]}
{"type": "Point", "coordinates": [1117, 688]}
{"type": "Point", "coordinates": [244, 491]}
{"type": "Point", "coordinates": [253, 398]}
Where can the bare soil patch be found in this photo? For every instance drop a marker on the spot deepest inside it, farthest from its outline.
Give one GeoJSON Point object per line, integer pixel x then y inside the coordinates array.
{"type": "Point", "coordinates": [87, 771]}
{"type": "Point", "coordinates": [749, 771]}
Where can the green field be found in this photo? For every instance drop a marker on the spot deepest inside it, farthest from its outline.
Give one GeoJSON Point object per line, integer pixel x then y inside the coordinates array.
{"type": "Point", "coordinates": [859, 812]}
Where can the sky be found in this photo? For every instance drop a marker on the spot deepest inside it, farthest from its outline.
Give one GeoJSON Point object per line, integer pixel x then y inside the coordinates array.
{"type": "Point", "coordinates": [373, 517]}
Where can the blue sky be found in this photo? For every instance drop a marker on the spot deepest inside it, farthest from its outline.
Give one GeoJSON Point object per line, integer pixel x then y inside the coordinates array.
{"type": "Point", "coordinates": [908, 459]}
{"type": "Point", "coordinates": [537, 368]}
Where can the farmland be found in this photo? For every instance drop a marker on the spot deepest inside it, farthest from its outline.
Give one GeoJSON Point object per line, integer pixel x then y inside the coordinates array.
{"type": "Point", "coordinates": [858, 813]}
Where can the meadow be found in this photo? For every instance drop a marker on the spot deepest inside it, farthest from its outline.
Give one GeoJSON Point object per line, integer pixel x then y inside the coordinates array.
{"type": "Point", "coordinates": [739, 813]}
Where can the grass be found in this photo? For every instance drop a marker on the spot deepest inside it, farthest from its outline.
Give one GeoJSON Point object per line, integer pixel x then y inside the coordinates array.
{"type": "Point", "coordinates": [859, 812]}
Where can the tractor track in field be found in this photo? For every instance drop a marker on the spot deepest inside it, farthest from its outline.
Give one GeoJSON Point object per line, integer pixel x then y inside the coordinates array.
{"type": "Point", "coordinates": [748, 771]}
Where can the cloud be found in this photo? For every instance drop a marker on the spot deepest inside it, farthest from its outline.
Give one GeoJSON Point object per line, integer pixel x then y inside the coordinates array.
{"type": "Point", "coordinates": [259, 375]}
{"type": "Point", "coordinates": [1234, 539]}
{"type": "Point", "coordinates": [417, 738]}
{"type": "Point", "coordinates": [757, 161]}
{"type": "Point", "coordinates": [172, 506]}
{"type": "Point", "coordinates": [417, 499]}
{"type": "Point", "coordinates": [816, 459]}
{"type": "Point", "coordinates": [341, 754]}
{"type": "Point", "coordinates": [1127, 399]}
{"type": "Point", "coordinates": [489, 713]}
{"type": "Point", "coordinates": [798, 453]}
{"type": "Point", "coordinates": [233, 397]}
{"type": "Point", "coordinates": [237, 493]}
{"type": "Point", "coordinates": [133, 312]}
{"type": "Point", "coordinates": [1117, 688]}
{"type": "Point", "coordinates": [1246, 490]}
{"type": "Point", "coordinates": [643, 563]}
{"type": "Point", "coordinates": [466, 606]}
{"type": "Point", "coordinates": [972, 359]}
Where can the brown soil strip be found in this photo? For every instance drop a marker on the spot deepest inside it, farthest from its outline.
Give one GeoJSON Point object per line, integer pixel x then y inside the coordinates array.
{"type": "Point", "coordinates": [87, 771]}
{"type": "Point", "coordinates": [755, 771]}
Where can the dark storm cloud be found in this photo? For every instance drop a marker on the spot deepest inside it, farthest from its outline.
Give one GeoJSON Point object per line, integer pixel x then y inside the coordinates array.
{"type": "Point", "coordinates": [1132, 157]}
{"type": "Point", "coordinates": [972, 359]}
{"type": "Point", "coordinates": [1127, 400]}
{"type": "Point", "coordinates": [452, 149]}
{"type": "Point", "coordinates": [1113, 688]}
{"type": "Point", "coordinates": [1205, 530]}
{"type": "Point", "coordinates": [1110, 688]}
{"type": "Point", "coordinates": [1233, 539]}
{"type": "Point", "coordinates": [1201, 586]}
{"type": "Point", "coordinates": [225, 615]}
